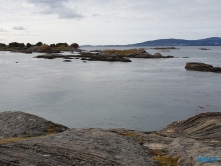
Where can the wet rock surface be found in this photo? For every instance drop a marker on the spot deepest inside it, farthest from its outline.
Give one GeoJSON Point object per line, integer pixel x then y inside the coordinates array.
{"type": "Point", "coordinates": [197, 66]}
{"type": "Point", "coordinates": [180, 143]}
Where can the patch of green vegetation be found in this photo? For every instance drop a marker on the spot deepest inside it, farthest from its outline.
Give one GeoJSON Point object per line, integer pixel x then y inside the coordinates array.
{"type": "Point", "coordinates": [164, 160]}
{"type": "Point", "coordinates": [125, 52]}
{"type": "Point", "coordinates": [51, 129]}
{"type": "Point", "coordinates": [128, 134]}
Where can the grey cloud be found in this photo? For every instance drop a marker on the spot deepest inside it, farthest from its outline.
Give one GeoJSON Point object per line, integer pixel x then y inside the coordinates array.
{"type": "Point", "coordinates": [18, 28]}
{"type": "Point", "coordinates": [96, 15]}
{"type": "Point", "coordinates": [57, 7]}
{"type": "Point", "coordinates": [3, 30]}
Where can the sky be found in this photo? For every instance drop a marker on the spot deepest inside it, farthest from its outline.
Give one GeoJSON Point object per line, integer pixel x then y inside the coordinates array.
{"type": "Point", "coordinates": [104, 22]}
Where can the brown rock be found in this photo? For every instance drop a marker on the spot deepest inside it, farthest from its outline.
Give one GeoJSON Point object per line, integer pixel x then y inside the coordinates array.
{"type": "Point", "coordinates": [197, 66]}
{"type": "Point", "coordinates": [157, 55]}
{"type": "Point", "coordinates": [144, 55]}
{"type": "Point", "coordinates": [216, 69]}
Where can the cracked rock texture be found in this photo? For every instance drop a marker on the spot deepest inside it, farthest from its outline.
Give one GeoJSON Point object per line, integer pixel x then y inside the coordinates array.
{"type": "Point", "coordinates": [187, 139]}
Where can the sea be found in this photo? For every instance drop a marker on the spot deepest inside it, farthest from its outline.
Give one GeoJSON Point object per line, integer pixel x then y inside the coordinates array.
{"type": "Point", "coordinates": [145, 94]}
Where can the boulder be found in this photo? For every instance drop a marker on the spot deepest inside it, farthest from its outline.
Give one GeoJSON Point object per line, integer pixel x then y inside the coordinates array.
{"type": "Point", "coordinates": [157, 55]}
{"type": "Point", "coordinates": [20, 124]}
{"type": "Point", "coordinates": [144, 55]}
{"type": "Point", "coordinates": [169, 56]}
{"type": "Point", "coordinates": [216, 69]}
{"type": "Point", "coordinates": [197, 66]}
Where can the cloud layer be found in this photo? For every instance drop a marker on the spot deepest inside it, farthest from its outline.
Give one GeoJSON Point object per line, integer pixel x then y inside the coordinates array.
{"type": "Point", "coordinates": [20, 28]}
{"type": "Point", "coordinates": [108, 22]}
{"type": "Point", "coordinates": [59, 7]}
{"type": "Point", "coordinates": [3, 30]}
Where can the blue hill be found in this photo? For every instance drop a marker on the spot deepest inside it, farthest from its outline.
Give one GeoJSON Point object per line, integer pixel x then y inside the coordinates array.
{"type": "Point", "coordinates": [212, 41]}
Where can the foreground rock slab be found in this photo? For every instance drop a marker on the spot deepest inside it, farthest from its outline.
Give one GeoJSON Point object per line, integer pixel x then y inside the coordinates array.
{"type": "Point", "coordinates": [76, 147]}
{"type": "Point", "coordinates": [180, 143]}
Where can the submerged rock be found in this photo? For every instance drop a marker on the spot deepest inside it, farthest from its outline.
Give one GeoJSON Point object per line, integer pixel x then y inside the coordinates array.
{"type": "Point", "coordinates": [67, 61]}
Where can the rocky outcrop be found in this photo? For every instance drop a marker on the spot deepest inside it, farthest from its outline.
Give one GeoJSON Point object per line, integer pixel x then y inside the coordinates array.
{"type": "Point", "coordinates": [204, 49]}
{"type": "Point", "coordinates": [20, 124]}
{"type": "Point", "coordinates": [106, 57]}
{"type": "Point", "coordinates": [180, 143]}
{"type": "Point", "coordinates": [72, 147]}
{"type": "Point", "coordinates": [144, 55]}
{"type": "Point", "coordinates": [148, 55]}
{"type": "Point", "coordinates": [204, 127]}
{"type": "Point", "coordinates": [197, 66]}
{"type": "Point", "coordinates": [50, 56]}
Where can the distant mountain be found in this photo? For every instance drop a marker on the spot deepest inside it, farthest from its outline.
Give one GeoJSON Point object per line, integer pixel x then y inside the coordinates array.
{"type": "Point", "coordinates": [213, 41]}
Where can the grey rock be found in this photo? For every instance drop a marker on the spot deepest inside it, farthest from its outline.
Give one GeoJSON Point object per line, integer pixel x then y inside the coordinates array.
{"type": "Point", "coordinates": [187, 139]}
{"type": "Point", "coordinates": [20, 124]}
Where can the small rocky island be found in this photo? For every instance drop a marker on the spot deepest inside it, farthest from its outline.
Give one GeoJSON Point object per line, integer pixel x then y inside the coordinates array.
{"type": "Point", "coordinates": [204, 49]}
{"type": "Point", "coordinates": [107, 55]}
{"type": "Point", "coordinates": [26, 139]}
{"type": "Point", "coordinates": [198, 66]}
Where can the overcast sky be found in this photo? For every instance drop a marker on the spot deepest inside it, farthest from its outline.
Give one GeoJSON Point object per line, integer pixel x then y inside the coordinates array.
{"type": "Point", "coordinates": [99, 22]}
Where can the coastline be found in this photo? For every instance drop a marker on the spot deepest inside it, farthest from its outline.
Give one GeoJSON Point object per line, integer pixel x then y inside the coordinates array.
{"type": "Point", "coordinates": [52, 144]}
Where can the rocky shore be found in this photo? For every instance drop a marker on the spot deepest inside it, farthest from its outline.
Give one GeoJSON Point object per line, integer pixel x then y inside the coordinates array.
{"type": "Point", "coordinates": [26, 139]}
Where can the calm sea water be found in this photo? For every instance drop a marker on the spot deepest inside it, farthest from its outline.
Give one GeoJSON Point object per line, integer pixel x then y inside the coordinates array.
{"type": "Point", "coordinates": [147, 94]}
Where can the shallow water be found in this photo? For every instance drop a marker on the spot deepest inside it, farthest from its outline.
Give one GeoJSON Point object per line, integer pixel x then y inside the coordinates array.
{"type": "Point", "coordinates": [147, 94]}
